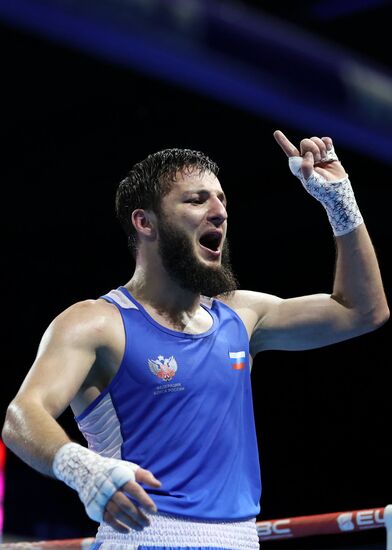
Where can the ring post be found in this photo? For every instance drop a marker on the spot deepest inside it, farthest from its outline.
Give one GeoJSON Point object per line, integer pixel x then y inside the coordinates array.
{"type": "Point", "coordinates": [388, 525]}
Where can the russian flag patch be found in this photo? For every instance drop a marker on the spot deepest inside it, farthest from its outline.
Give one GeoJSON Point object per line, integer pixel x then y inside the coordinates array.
{"type": "Point", "coordinates": [237, 359]}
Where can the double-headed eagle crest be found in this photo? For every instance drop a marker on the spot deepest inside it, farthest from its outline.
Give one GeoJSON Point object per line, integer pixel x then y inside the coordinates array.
{"type": "Point", "coordinates": [163, 368]}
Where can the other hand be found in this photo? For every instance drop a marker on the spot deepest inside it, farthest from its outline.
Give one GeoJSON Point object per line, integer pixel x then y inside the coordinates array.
{"type": "Point", "coordinates": [314, 152]}
{"type": "Point", "coordinates": [121, 513]}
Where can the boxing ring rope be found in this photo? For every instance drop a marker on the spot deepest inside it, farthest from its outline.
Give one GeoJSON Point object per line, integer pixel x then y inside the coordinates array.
{"type": "Point", "coordinates": [274, 529]}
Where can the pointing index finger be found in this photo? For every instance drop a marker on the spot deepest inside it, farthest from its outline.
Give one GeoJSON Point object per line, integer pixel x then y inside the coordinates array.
{"type": "Point", "coordinates": [286, 145]}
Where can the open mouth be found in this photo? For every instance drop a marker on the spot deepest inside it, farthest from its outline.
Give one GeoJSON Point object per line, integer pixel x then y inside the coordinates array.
{"type": "Point", "coordinates": [211, 241]}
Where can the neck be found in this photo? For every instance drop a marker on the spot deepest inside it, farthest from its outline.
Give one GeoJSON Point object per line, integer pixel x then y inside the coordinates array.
{"type": "Point", "coordinates": [156, 291]}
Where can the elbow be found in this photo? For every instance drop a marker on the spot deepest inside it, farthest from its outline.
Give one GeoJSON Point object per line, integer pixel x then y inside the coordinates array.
{"type": "Point", "coordinates": [375, 318]}
{"type": "Point", "coordinates": [6, 432]}
{"type": "Point", "coordinates": [9, 432]}
{"type": "Point", "coordinates": [382, 316]}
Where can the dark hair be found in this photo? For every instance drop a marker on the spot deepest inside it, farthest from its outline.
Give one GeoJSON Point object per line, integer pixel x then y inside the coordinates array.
{"type": "Point", "coordinates": [151, 179]}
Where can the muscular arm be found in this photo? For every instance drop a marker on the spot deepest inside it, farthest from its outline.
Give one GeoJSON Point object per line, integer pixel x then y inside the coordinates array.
{"type": "Point", "coordinates": [65, 357]}
{"type": "Point", "coordinates": [357, 303]}
{"type": "Point", "coordinates": [357, 283]}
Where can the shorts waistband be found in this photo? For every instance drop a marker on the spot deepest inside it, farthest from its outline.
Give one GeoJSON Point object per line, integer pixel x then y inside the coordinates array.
{"type": "Point", "coordinates": [169, 530]}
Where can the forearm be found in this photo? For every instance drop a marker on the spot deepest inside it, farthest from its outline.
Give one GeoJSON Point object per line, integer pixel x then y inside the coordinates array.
{"type": "Point", "coordinates": [33, 435]}
{"type": "Point", "coordinates": [357, 283]}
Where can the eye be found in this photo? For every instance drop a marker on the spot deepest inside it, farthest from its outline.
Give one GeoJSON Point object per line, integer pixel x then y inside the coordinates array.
{"type": "Point", "coordinates": [195, 201]}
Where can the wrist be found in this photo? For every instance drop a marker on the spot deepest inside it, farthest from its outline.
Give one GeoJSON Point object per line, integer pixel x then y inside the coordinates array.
{"type": "Point", "coordinates": [337, 196]}
{"type": "Point", "coordinates": [339, 201]}
{"type": "Point", "coordinates": [67, 458]}
{"type": "Point", "coordinates": [94, 477]}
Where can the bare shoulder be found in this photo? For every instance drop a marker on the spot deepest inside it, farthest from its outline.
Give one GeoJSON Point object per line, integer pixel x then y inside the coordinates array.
{"type": "Point", "coordinates": [91, 320]}
{"type": "Point", "coordinates": [251, 306]}
{"type": "Point", "coordinates": [249, 300]}
{"type": "Point", "coordinates": [69, 352]}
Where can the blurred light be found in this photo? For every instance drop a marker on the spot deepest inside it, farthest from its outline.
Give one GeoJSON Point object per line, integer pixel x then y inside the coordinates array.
{"type": "Point", "coordinates": [251, 61]}
{"type": "Point", "coordinates": [328, 9]}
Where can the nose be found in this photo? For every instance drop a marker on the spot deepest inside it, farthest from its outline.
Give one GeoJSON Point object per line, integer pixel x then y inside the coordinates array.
{"type": "Point", "coordinates": [217, 213]}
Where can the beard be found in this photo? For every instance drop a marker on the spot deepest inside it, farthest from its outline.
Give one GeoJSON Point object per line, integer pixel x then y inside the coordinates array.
{"type": "Point", "coordinates": [183, 266]}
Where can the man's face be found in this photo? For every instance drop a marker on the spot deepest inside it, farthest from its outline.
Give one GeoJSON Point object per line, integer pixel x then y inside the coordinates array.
{"type": "Point", "coordinates": [192, 227]}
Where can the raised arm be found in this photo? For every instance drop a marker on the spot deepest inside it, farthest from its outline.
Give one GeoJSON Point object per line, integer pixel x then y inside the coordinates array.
{"type": "Point", "coordinates": [357, 303]}
{"type": "Point", "coordinates": [67, 354]}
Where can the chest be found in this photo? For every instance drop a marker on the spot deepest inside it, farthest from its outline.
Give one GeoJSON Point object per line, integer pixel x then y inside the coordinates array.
{"type": "Point", "coordinates": [161, 361]}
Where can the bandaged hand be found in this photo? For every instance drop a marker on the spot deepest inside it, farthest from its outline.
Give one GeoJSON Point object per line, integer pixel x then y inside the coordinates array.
{"type": "Point", "coordinates": [97, 479]}
{"type": "Point", "coordinates": [320, 172]}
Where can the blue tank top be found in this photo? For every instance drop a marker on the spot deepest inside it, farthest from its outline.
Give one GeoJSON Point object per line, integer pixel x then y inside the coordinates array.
{"type": "Point", "coordinates": [181, 406]}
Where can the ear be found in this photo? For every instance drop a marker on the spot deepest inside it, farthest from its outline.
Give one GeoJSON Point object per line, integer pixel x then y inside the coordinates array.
{"type": "Point", "coordinates": [144, 222]}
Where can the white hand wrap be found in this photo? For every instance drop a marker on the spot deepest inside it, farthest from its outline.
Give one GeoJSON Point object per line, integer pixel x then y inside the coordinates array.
{"type": "Point", "coordinates": [94, 477]}
{"type": "Point", "coordinates": [337, 196]}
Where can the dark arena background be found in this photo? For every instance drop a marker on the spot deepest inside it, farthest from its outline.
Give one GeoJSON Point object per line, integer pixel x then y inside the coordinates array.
{"type": "Point", "coordinates": [87, 90]}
